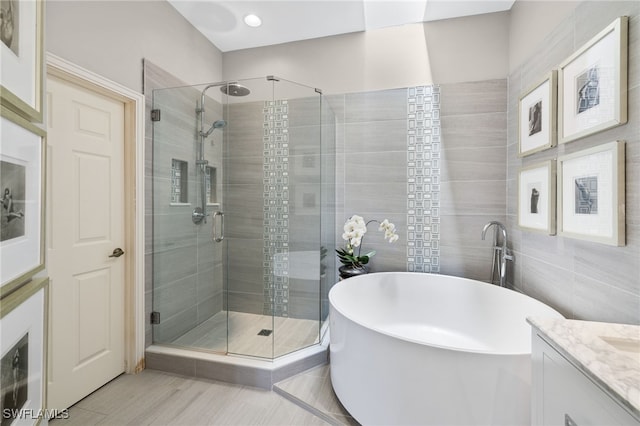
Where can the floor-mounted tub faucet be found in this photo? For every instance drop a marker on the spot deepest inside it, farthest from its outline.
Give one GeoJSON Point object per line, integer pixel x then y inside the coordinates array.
{"type": "Point", "coordinates": [500, 253]}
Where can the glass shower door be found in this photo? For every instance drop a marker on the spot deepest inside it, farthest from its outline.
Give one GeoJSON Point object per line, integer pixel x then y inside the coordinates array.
{"type": "Point", "coordinates": [272, 218]}
{"type": "Point", "coordinates": [188, 286]}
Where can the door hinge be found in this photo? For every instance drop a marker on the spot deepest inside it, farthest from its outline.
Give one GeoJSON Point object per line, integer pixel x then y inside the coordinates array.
{"type": "Point", "coordinates": [155, 115]}
{"type": "Point", "coordinates": [155, 317]}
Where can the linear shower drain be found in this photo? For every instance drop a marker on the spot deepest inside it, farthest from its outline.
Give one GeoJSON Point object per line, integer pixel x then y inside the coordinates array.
{"type": "Point", "coordinates": [265, 332]}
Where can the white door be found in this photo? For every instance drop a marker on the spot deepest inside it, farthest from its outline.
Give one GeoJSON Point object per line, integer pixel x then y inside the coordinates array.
{"type": "Point", "coordinates": [85, 223]}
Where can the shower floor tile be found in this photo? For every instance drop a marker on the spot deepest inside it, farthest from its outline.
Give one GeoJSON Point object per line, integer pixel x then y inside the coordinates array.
{"type": "Point", "coordinates": [289, 334]}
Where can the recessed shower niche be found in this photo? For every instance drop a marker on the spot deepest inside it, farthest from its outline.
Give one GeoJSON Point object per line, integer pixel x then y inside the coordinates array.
{"type": "Point", "coordinates": [237, 251]}
{"type": "Point", "coordinates": [179, 184]}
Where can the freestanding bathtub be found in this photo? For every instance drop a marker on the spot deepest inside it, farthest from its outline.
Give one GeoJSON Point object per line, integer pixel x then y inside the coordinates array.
{"type": "Point", "coordinates": [425, 349]}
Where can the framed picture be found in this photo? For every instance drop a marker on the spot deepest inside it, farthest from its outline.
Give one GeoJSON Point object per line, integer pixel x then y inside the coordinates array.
{"type": "Point", "coordinates": [537, 121]}
{"type": "Point", "coordinates": [537, 197]}
{"type": "Point", "coordinates": [591, 194]}
{"type": "Point", "coordinates": [21, 203]}
{"type": "Point", "coordinates": [22, 57]}
{"type": "Point", "coordinates": [592, 84]}
{"type": "Point", "coordinates": [22, 359]}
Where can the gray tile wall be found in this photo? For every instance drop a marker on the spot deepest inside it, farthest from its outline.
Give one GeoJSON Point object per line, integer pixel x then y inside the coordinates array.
{"type": "Point", "coordinates": [244, 222]}
{"type": "Point", "coordinates": [474, 138]}
{"type": "Point", "coordinates": [583, 280]}
{"type": "Point", "coordinates": [371, 171]}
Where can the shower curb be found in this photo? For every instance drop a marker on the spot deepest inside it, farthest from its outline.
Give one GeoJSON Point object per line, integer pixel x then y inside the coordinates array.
{"type": "Point", "coordinates": [234, 369]}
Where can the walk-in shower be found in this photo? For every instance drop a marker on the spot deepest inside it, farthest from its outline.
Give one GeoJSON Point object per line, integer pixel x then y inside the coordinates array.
{"type": "Point", "coordinates": [242, 178]}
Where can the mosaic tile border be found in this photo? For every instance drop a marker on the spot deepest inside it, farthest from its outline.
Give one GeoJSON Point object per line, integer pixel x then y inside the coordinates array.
{"type": "Point", "coordinates": [276, 208]}
{"type": "Point", "coordinates": [423, 179]}
{"type": "Point", "coordinates": [179, 174]}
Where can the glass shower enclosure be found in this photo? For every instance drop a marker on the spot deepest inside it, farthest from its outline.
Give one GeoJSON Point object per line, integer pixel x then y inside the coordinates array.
{"type": "Point", "coordinates": [243, 216]}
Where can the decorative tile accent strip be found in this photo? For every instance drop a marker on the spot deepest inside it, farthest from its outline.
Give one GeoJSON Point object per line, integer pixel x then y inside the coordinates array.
{"type": "Point", "coordinates": [276, 208]}
{"type": "Point", "coordinates": [211, 181]}
{"type": "Point", "coordinates": [423, 179]}
{"type": "Point", "coordinates": [179, 181]}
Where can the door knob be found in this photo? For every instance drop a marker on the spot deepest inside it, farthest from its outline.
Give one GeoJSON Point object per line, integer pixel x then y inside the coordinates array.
{"type": "Point", "coordinates": [117, 253]}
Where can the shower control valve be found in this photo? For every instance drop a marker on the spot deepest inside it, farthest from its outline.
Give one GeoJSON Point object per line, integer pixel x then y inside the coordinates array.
{"type": "Point", "coordinates": [198, 215]}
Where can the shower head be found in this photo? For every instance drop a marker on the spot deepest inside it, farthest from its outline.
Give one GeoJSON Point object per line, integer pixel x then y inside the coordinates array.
{"type": "Point", "coordinates": [234, 89]}
{"type": "Point", "coordinates": [218, 124]}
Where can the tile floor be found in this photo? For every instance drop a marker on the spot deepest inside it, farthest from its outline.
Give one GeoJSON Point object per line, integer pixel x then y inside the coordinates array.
{"type": "Point", "coordinates": [312, 390]}
{"type": "Point", "coordinates": [289, 334]}
{"type": "Point", "coordinates": [157, 398]}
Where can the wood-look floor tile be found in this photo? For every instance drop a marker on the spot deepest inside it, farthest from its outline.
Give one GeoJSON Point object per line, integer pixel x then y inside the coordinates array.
{"type": "Point", "coordinates": [158, 398]}
{"type": "Point", "coordinates": [313, 388]}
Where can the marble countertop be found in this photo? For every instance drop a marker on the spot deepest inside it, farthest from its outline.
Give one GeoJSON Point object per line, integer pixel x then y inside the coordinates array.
{"type": "Point", "coordinates": [608, 353]}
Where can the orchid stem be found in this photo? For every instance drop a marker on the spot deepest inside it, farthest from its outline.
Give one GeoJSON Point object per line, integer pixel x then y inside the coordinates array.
{"type": "Point", "coordinates": [362, 240]}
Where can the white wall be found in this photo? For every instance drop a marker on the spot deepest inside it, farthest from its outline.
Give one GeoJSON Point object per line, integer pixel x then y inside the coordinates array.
{"type": "Point", "coordinates": [112, 37]}
{"type": "Point", "coordinates": [465, 49]}
{"type": "Point", "coordinates": [531, 22]}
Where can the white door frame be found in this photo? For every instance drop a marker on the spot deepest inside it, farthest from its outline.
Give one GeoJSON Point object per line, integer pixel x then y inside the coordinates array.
{"type": "Point", "coordinates": [134, 198]}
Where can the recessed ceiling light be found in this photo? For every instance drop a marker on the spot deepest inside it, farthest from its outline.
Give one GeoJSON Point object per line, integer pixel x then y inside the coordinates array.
{"type": "Point", "coordinates": [252, 20]}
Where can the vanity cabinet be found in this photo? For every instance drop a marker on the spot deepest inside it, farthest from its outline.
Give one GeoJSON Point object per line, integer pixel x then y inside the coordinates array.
{"type": "Point", "coordinates": [562, 394]}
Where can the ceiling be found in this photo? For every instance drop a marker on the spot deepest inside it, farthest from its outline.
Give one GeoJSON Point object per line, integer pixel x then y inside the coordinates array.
{"type": "Point", "coordinates": [292, 20]}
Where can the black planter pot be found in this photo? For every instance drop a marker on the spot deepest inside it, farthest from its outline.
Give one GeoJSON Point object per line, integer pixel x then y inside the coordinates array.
{"type": "Point", "coordinates": [348, 271]}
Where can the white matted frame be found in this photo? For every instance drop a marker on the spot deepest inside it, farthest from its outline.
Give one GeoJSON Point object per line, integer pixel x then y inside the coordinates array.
{"type": "Point", "coordinates": [592, 84]}
{"type": "Point", "coordinates": [591, 194]}
{"type": "Point", "coordinates": [537, 116]}
{"type": "Point", "coordinates": [21, 56]}
{"type": "Point", "coordinates": [23, 360]}
{"type": "Point", "coordinates": [22, 177]}
{"type": "Point", "coordinates": [537, 197]}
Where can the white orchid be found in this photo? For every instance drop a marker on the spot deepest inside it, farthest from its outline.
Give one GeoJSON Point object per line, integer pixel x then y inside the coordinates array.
{"type": "Point", "coordinates": [389, 231]}
{"type": "Point", "coordinates": [354, 229]}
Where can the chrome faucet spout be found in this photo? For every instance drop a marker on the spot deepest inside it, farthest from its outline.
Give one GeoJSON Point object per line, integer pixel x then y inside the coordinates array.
{"type": "Point", "coordinates": [500, 253]}
{"type": "Point", "coordinates": [499, 226]}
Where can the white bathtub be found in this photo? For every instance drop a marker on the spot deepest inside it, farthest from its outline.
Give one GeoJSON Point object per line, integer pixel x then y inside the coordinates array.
{"type": "Point", "coordinates": [410, 348]}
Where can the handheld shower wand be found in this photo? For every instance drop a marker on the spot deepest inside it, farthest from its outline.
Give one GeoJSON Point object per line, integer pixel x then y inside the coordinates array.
{"type": "Point", "coordinates": [218, 124]}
